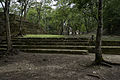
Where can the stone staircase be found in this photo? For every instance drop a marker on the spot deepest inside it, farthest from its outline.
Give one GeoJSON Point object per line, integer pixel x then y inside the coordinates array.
{"type": "Point", "coordinates": [49, 45]}
{"type": "Point", "coordinates": [61, 45]}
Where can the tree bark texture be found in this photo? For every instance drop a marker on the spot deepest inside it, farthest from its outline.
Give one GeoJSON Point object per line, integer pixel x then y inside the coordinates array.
{"type": "Point", "coordinates": [8, 32]}
{"type": "Point", "coordinates": [98, 54]}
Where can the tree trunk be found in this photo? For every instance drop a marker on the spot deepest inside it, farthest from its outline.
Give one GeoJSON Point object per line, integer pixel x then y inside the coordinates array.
{"type": "Point", "coordinates": [3, 6]}
{"type": "Point", "coordinates": [8, 33]}
{"type": "Point", "coordinates": [86, 25]}
{"type": "Point", "coordinates": [25, 8]}
{"type": "Point", "coordinates": [38, 12]}
{"type": "Point", "coordinates": [61, 29]}
{"type": "Point", "coordinates": [98, 54]}
{"type": "Point", "coordinates": [20, 24]}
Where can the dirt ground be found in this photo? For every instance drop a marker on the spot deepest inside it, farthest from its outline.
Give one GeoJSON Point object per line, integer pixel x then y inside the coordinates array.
{"type": "Point", "coordinates": [31, 66]}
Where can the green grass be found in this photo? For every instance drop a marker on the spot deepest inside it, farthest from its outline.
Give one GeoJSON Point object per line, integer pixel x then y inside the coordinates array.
{"type": "Point", "coordinates": [105, 38]}
{"type": "Point", "coordinates": [42, 36]}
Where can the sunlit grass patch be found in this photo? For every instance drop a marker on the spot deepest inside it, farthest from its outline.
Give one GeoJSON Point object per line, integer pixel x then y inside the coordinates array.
{"type": "Point", "coordinates": [42, 36]}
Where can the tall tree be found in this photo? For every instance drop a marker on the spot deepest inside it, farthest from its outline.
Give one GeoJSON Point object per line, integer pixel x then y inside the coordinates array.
{"type": "Point", "coordinates": [23, 4]}
{"type": "Point", "coordinates": [98, 54]}
{"type": "Point", "coordinates": [8, 32]}
{"type": "Point", "coordinates": [38, 9]}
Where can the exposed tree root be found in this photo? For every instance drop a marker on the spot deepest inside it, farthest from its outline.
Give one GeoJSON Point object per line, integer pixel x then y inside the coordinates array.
{"type": "Point", "coordinates": [97, 76]}
{"type": "Point", "coordinates": [105, 63]}
{"type": "Point", "coordinates": [18, 35]}
{"type": "Point", "coordinates": [108, 62]}
{"type": "Point", "coordinates": [13, 52]}
{"type": "Point", "coordinates": [93, 75]}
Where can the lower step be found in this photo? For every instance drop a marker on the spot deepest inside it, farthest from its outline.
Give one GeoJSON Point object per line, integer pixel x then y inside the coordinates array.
{"type": "Point", "coordinates": [64, 51]}
{"type": "Point", "coordinates": [61, 51]}
{"type": "Point", "coordinates": [107, 50]}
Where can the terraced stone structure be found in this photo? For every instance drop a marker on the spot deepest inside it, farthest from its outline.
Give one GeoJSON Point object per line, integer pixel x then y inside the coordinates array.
{"type": "Point", "coordinates": [27, 27]}
{"type": "Point", "coordinates": [61, 45]}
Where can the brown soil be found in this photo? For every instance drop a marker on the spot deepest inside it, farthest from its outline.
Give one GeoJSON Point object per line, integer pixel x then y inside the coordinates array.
{"type": "Point", "coordinates": [56, 67]}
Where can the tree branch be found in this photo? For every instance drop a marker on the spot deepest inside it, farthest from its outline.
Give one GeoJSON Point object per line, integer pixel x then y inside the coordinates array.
{"type": "Point", "coordinates": [2, 5]}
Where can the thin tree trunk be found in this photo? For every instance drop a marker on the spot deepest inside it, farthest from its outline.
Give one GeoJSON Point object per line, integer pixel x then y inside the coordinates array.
{"type": "Point", "coordinates": [8, 33]}
{"type": "Point", "coordinates": [25, 14]}
{"type": "Point", "coordinates": [20, 25]}
{"type": "Point", "coordinates": [61, 29]}
{"type": "Point", "coordinates": [2, 6]}
{"type": "Point", "coordinates": [25, 8]}
{"type": "Point", "coordinates": [98, 54]}
{"type": "Point", "coordinates": [38, 22]}
{"type": "Point", "coordinates": [86, 25]}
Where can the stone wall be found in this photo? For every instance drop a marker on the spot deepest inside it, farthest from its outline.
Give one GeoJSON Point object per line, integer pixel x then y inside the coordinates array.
{"type": "Point", "coordinates": [28, 28]}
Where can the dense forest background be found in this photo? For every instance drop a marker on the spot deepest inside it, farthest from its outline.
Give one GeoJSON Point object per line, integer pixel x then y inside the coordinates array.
{"type": "Point", "coordinates": [61, 16]}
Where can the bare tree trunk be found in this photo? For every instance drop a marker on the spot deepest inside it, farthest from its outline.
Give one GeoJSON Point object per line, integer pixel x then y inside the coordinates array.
{"type": "Point", "coordinates": [8, 33]}
{"type": "Point", "coordinates": [98, 54]}
{"type": "Point", "coordinates": [38, 9]}
{"type": "Point", "coordinates": [2, 5]}
{"type": "Point", "coordinates": [25, 8]}
{"type": "Point", "coordinates": [86, 25]}
{"type": "Point", "coordinates": [38, 12]}
{"type": "Point", "coordinates": [63, 28]}
{"type": "Point", "coordinates": [20, 26]}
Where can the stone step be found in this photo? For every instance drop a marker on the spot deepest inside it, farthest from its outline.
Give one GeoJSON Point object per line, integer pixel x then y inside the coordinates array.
{"type": "Point", "coordinates": [48, 43]}
{"type": "Point", "coordinates": [19, 40]}
{"type": "Point", "coordinates": [60, 51]}
{"type": "Point", "coordinates": [107, 49]}
{"type": "Point", "coordinates": [46, 47]}
{"type": "Point", "coordinates": [50, 39]}
{"type": "Point", "coordinates": [108, 43]}
{"type": "Point", "coordinates": [91, 49]}
{"type": "Point", "coordinates": [111, 43]}
{"type": "Point", "coordinates": [58, 46]}
{"type": "Point", "coordinates": [2, 49]}
{"type": "Point", "coordinates": [104, 43]}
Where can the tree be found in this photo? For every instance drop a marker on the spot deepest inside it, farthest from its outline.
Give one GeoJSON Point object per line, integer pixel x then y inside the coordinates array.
{"type": "Point", "coordinates": [8, 32]}
{"type": "Point", "coordinates": [98, 54]}
{"type": "Point", "coordinates": [38, 9]}
{"type": "Point", "coordinates": [23, 4]}
{"type": "Point", "coordinates": [98, 51]}
{"type": "Point", "coordinates": [3, 7]}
